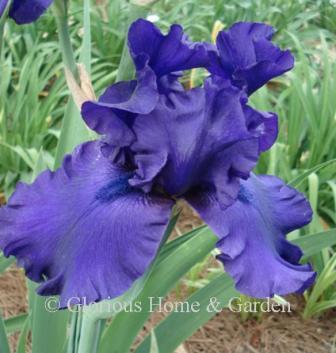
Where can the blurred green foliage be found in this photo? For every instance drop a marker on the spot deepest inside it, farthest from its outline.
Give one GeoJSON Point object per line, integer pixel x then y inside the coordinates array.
{"type": "Point", "coordinates": [33, 93]}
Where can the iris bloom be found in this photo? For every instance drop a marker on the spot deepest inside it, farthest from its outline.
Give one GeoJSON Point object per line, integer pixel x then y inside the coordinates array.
{"type": "Point", "coordinates": [25, 11]}
{"type": "Point", "coordinates": [93, 227]}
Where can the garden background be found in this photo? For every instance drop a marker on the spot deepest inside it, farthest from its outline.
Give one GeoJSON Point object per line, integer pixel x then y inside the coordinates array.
{"type": "Point", "coordinates": [33, 97]}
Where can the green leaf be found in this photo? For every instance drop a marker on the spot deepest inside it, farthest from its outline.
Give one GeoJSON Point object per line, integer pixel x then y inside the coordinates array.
{"type": "Point", "coordinates": [85, 55]}
{"type": "Point", "coordinates": [299, 179]}
{"type": "Point", "coordinates": [154, 346]}
{"type": "Point", "coordinates": [4, 345]}
{"type": "Point", "coordinates": [181, 325]}
{"type": "Point", "coordinates": [222, 288]}
{"type": "Point", "coordinates": [5, 263]}
{"type": "Point", "coordinates": [174, 261]}
{"type": "Point", "coordinates": [21, 345]}
{"type": "Point", "coordinates": [73, 131]}
{"type": "Point", "coordinates": [316, 301]}
{"type": "Point", "coordinates": [314, 243]}
{"type": "Point", "coordinates": [14, 324]}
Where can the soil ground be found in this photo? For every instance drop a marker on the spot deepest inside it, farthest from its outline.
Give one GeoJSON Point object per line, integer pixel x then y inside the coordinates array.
{"type": "Point", "coordinates": [226, 332]}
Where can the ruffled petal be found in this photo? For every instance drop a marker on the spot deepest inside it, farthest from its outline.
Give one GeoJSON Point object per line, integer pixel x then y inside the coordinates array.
{"type": "Point", "coordinates": [82, 231]}
{"type": "Point", "coordinates": [26, 11]}
{"type": "Point", "coordinates": [107, 121]}
{"type": "Point", "coordinates": [263, 125]}
{"type": "Point", "coordinates": [252, 234]}
{"type": "Point", "coordinates": [191, 137]}
{"type": "Point", "coordinates": [159, 60]}
{"type": "Point", "coordinates": [116, 108]}
{"type": "Point", "coordinates": [167, 53]}
{"type": "Point", "coordinates": [248, 57]}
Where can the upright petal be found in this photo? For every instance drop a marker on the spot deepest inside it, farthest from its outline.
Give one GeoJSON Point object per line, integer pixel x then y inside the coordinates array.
{"type": "Point", "coordinates": [116, 108]}
{"type": "Point", "coordinates": [252, 236]}
{"type": "Point", "coordinates": [26, 11]}
{"type": "Point", "coordinates": [248, 57]}
{"type": "Point", "coordinates": [191, 137]}
{"type": "Point", "coordinates": [159, 60]}
{"type": "Point", "coordinates": [82, 231]}
{"type": "Point", "coordinates": [167, 53]}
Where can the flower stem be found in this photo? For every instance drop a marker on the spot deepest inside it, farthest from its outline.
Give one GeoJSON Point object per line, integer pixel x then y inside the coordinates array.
{"type": "Point", "coordinates": [2, 28]}
{"type": "Point", "coordinates": [90, 334]}
{"type": "Point", "coordinates": [73, 131]}
{"type": "Point", "coordinates": [61, 14]}
{"type": "Point", "coordinates": [126, 66]}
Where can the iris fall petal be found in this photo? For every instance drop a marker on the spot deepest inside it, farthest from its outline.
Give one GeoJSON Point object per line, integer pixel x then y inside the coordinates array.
{"type": "Point", "coordinates": [82, 231]}
{"type": "Point", "coordinates": [252, 234]}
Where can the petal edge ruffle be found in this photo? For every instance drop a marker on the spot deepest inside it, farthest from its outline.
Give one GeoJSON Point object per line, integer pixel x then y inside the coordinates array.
{"type": "Point", "coordinates": [82, 231]}
{"type": "Point", "coordinates": [252, 236]}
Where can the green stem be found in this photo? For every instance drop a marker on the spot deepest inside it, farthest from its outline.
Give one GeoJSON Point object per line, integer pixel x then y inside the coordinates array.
{"type": "Point", "coordinates": [74, 130]}
{"type": "Point", "coordinates": [126, 66]}
{"type": "Point", "coordinates": [61, 15]}
{"type": "Point", "coordinates": [90, 334]}
{"type": "Point", "coordinates": [2, 27]}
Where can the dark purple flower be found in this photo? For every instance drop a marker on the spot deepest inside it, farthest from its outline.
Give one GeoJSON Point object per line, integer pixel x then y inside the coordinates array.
{"type": "Point", "coordinates": [252, 236]}
{"type": "Point", "coordinates": [167, 55]}
{"type": "Point", "coordinates": [25, 11]}
{"type": "Point", "coordinates": [159, 60]}
{"type": "Point", "coordinates": [93, 227]}
{"type": "Point", "coordinates": [248, 57]}
{"type": "Point", "coordinates": [197, 138]}
{"type": "Point", "coordinates": [83, 231]}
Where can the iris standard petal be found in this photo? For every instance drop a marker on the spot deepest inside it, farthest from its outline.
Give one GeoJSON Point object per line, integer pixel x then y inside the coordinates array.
{"type": "Point", "coordinates": [116, 108]}
{"type": "Point", "coordinates": [167, 54]}
{"type": "Point", "coordinates": [26, 11]}
{"type": "Point", "coordinates": [3, 4]}
{"type": "Point", "coordinates": [252, 234]}
{"type": "Point", "coordinates": [248, 57]}
{"type": "Point", "coordinates": [193, 136]}
{"type": "Point", "coordinates": [158, 60]}
{"type": "Point", "coordinates": [83, 231]}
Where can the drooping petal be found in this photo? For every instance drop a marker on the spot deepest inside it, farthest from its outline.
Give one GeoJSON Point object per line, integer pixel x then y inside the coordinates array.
{"type": "Point", "coordinates": [3, 4]}
{"type": "Point", "coordinates": [252, 234]}
{"type": "Point", "coordinates": [248, 57]}
{"type": "Point", "coordinates": [26, 11]}
{"type": "Point", "coordinates": [82, 231]}
{"type": "Point", "coordinates": [192, 137]}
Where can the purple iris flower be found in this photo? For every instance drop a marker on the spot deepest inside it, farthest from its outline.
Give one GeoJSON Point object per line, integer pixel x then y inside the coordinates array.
{"type": "Point", "coordinates": [247, 56]}
{"type": "Point", "coordinates": [25, 11]}
{"type": "Point", "coordinates": [93, 227]}
{"type": "Point", "coordinates": [159, 61]}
